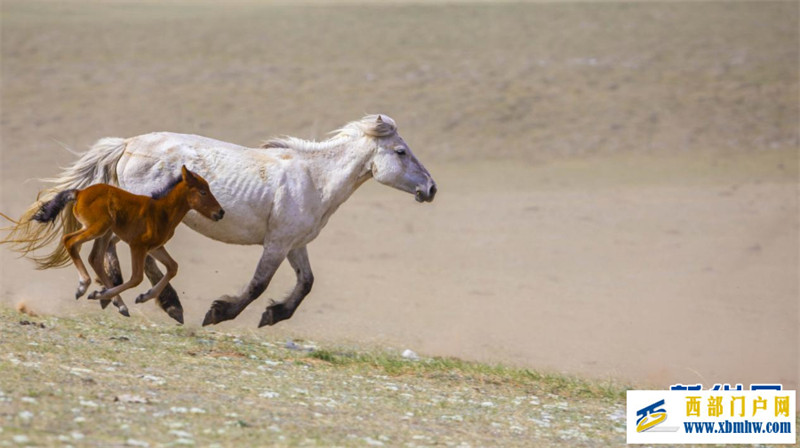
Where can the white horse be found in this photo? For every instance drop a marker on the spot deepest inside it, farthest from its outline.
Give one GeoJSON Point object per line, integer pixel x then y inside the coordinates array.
{"type": "Point", "coordinates": [280, 196]}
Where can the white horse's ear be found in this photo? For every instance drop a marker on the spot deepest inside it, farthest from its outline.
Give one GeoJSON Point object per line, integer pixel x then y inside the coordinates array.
{"type": "Point", "coordinates": [380, 119]}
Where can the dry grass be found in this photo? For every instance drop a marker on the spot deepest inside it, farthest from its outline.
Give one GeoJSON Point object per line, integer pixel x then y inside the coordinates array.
{"type": "Point", "coordinates": [101, 380]}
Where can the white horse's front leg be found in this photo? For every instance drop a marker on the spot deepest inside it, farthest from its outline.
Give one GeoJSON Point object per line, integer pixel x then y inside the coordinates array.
{"type": "Point", "coordinates": [277, 312]}
{"type": "Point", "coordinates": [228, 307]}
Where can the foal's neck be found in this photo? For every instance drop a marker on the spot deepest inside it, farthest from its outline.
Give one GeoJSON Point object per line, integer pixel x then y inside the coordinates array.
{"type": "Point", "coordinates": [175, 203]}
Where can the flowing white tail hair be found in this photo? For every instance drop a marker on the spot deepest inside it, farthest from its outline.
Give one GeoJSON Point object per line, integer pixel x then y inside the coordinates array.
{"type": "Point", "coordinates": [97, 165]}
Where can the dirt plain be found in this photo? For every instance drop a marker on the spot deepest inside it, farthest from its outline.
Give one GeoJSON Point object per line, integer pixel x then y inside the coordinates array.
{"type": "Point", "coordinates": [618, 181]}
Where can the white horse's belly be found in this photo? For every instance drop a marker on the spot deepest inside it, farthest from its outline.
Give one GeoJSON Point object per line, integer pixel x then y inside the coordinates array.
{"type": "Point", "coordinates": [231, 229]}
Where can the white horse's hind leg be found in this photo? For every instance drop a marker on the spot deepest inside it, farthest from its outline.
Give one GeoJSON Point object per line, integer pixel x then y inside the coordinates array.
{"type": "Point", "coordinates": [228, 307]}
{"type": "Point", "coordinates": [277, 312]}
{"type": "Point", "coordinates": [111, 267]}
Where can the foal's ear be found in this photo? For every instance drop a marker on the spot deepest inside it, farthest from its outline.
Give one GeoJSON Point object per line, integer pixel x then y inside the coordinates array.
{"type": "Point", "coordinates": [186, 174]}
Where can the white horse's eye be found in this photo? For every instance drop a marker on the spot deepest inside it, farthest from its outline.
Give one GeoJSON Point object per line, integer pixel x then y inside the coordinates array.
{"type": "Point", "coordinates": [400, 151]}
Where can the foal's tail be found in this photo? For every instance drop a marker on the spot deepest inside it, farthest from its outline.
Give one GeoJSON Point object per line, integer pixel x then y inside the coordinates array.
{"type": "Point", "coordinates": [28, 234]}
{"type": "Point", "coordinates": [49, 211]}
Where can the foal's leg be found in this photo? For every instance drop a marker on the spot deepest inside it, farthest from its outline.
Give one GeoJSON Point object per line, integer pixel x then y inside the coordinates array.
{"type": "Point", "coordinates": [96, 261]}
{"type": "Point", "coordinates": [168, 298]}
{"type": "Point", "coordinates": [161, 255]}
{"type": "Point", "coordinates": [228, 307]}
{"type": "Point", "coordinates": [137, 268]}
{"type": "Point", "coordinates": [277, 312]}
{"type": "Point", "coordinates": [72, 242]}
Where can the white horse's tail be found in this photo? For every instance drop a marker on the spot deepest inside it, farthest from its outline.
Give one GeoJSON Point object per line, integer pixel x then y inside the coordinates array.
{"type": "Point", "coordinates": [97, 165]}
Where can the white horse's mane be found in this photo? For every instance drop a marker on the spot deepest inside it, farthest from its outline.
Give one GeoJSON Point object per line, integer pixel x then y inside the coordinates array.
{"type": "Point", "coordinates": [374, 126]}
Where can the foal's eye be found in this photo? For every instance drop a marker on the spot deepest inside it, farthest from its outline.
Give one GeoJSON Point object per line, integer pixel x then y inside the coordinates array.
{"type": "Point", "coordinates": [400, 151]}
{"type": "Point", "coordinates": [202, 192]}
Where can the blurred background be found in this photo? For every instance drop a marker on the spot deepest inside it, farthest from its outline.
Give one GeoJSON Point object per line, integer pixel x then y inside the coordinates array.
{"type": "Point", "coordinates": [618, 182]}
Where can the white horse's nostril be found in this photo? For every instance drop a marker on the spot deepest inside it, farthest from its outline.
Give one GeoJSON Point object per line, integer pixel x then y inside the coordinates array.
{"type": "Point", "coordinates": [425, 194]}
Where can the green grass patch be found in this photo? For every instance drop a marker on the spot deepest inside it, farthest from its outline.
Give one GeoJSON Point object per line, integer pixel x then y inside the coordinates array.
{"type": "Point", "coordinates": [444, 367]}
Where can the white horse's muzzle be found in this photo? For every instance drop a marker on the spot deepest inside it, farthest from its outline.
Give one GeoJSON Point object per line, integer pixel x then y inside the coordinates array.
{"type": "Point", "coordinates": [426, 194]}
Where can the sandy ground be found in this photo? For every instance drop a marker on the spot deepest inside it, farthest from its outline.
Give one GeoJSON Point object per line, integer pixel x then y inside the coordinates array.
{"type": "Point", "coordinates": [621, 204]}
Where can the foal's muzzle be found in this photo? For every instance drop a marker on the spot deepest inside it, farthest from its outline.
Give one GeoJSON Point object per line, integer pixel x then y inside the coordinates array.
{"type": "Point", "coordinates": [217, 216]}
{"type": "Point", "coordinates": [425, 194]}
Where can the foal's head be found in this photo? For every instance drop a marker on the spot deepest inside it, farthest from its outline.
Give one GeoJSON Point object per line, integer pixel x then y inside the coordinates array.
{"type": "Point", "coordinates": [199, 196]}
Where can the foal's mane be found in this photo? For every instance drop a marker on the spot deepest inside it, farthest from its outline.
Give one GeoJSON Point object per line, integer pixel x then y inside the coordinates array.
{"type": "Point", "coordinates": [374, 126]}
{"type": "Point", "coordinates": [163, 191]}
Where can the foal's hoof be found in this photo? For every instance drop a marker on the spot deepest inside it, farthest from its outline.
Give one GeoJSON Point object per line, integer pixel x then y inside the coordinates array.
{"type": "Point", "coordinates": [144, 297]}
{"type": "Point", "coordinates": [274, 314]}
{"type": "Point", "coordinates": [104, 303]}
{"type": "Point", "coordinates": [220, 311]}
{"type": "Point", "coordinates": [82, 287]}
{"type": "Point", "coordinates": [176, 313]}
{"type": "Point", "coordinates": [123, 310]}
{"type": "Point", "coordinates": [97, 295]}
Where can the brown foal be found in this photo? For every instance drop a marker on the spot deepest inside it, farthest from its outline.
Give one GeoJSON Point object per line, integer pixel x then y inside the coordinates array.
{"type": "Point", "coordinates": [145, 223]}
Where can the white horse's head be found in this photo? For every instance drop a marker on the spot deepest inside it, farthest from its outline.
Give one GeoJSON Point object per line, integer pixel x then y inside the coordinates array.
{"type": "Point", "coordinates": [393, 163]}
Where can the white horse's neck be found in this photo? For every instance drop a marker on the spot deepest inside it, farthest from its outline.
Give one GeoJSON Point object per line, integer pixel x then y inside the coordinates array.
{"type": "Point", "coordinates": [338, 170]}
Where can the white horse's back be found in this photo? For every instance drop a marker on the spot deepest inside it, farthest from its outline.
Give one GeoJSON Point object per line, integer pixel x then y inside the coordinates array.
{"type": "Point", "coordinates": [243, 179]}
